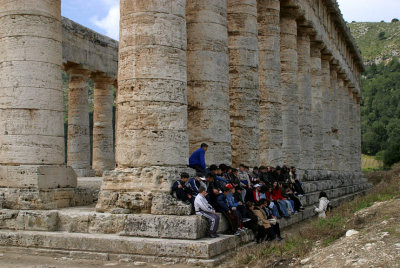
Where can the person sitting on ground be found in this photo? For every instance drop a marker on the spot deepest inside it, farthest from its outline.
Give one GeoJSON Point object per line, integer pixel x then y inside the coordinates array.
{"type": "Point", "coordinates": [257, 192]}
{"type": "Point", "coordinates": [197, 160]}
{"type": "Point", "coordinates": [234, 204]}
{"type": "Point", "coordinates": [323, 205]}
{"type": "Point", "coordinates": [237, 195]}
{"type": "Point", "coordinates": [180, 189]}
{"type": "Point", "coordinates": [212, 189]}
{"type": "Point", "coordinates": [196, 182]}
{"type": "Point", "coordinates": [258, 229]}
{"type": "Point", "coordinates": [274, 207]}
{"type": "Point", "coordinates": [279, 199]}
{"type": "Point", "coordinates": [296, 182]}
{"type": "Point", "coordinates": [297, 203]}
{"type": "Point", "coordinates": [262, 220]}
{"type": "Point", "coordinates": [255, 176]}
{"type": "Point", "coordinates": [243, 176]}
{"type": "Point", "coordinates": [287, 199]}
{"type": "Point", "coordinates": [219, 181]}
{"type": "Point", "coordinates": [233, 178]}
{"type": "Point", "coordinates": [203, 208]}
{"type": "Point", "coordinates": [267, 213]}
{"type": "Point", "coordinates": [229, 213]}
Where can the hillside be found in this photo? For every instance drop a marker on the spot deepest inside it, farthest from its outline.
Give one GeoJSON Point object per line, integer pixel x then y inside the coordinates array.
{"type": "Point", "coordinates": [378, 41]}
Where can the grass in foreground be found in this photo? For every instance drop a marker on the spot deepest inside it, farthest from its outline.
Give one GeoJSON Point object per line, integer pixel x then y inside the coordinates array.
{"type": "Point", "coordinates": [323, 232]}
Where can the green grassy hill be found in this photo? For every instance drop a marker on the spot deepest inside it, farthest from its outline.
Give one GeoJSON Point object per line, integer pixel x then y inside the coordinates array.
{"type": "Point", "coordinates": [378, 41]}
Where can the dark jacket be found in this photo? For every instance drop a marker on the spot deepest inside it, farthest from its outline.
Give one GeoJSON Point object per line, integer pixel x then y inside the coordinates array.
{"type": "Point", "coordinates": [222, 203]}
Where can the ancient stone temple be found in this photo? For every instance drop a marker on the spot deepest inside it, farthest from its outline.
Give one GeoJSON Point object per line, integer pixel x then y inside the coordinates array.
{"type": "Point", "coordinates": [262, 82]}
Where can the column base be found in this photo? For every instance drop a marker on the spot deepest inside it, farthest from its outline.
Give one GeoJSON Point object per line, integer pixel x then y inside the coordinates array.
{"type": "Point", "coordinates": [142, 190]}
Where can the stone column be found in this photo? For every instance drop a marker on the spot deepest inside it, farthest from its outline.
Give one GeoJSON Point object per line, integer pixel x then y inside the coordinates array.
{"type": "Point", "coordinates": [317, 103]}
{"type": "Point", "coordinates": [290, 94]}
{"type": "Point", "coordinates": [326, 113]}
{"type": "Point", "coordinates": [334, 100]}
{"type": "Point", "coordinates": [31, 106]}
{"type": "Point", "coordinates": [353, 130]}
{"type": "Point", "coordinates": [151, 122]}
{"type": "Point", "coordinates": [243, 81]}
{"type": "Point", "coordinates": [78, 142]}
{"type": "Point", "coordinates": [305, 100]}
{"type": "Point", "coordinates": [346, 127]}
{"type": "Point", "coordinates": [358, 135]}
{"type": "Point", "coordinates": [208, 79]}
{"type": "Point", "coordinates": [103, 141]}
{"type": "Point", "coordinates": [341, 117]}
{"type": "Point", "coordinates": [269, 77]}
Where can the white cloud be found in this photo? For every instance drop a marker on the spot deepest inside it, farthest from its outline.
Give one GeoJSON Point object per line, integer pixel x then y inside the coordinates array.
{"type": "Point", "coordinates": [109, 23]}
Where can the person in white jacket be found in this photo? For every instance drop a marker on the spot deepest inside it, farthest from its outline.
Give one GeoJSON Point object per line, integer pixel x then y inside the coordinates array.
{"type": "Point", "coordinates": [323, 205]}
{"type": "Point", "coordinates": [203, 208]}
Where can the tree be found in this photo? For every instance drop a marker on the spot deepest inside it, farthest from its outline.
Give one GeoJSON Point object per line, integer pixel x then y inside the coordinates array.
{"type": "Point", "coordinates": [381, 36]}
{"type": "Point", "coordinates": [395, 20]}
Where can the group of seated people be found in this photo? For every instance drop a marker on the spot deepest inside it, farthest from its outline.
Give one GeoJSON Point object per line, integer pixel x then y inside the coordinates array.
{"type": "Point", "coordinates": [253, 199]}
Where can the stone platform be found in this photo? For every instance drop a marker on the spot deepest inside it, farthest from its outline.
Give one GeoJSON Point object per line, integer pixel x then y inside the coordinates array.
{"type": "Point", "coordinates": [81, 232]}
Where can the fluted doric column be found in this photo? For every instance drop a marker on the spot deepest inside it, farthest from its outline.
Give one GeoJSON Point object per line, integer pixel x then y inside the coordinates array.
{"type": "Point", "coordinates": [103, 141]}
{"type": "Point", "coordinates": [208, 79]}
{"type": "Point", "coordinates": [31, 105]}
{"type": "Point", "coordinates": [326, 113]}
{"type": "Point", "coordinates": [334, 111]}
{"type": "Point", "coordinates": [358, 135]}
{"type": "Point", "coordinates": [317, 103]}
{"type": "Point", "coordinates": [269, 74]}
{"type": "Point", "coordinates": [78, 142]}
{"type": "Point", "coordinates": [243, 81]}
{"type": "Point", "coordinates": [151, 121]}
{"type": "Point", "coordinates": [346, 126]}
{"type": "Point", "coordinates": [305, 99]}
{"type": "Point", "coordinates": [353, 130]}
{"type": "Point", "coordinates": [341, 125]}
{"type": "Point", "coordinates": [290, 94]}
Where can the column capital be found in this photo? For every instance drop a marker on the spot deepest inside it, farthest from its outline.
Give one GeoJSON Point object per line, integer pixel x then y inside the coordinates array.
{"type": "Point", "coordinates": [75, 69]}
{"type": "Point", "coordinates": [102, 78]}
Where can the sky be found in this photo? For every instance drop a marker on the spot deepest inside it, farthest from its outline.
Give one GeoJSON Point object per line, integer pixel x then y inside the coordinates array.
{"type": "Point", "coordinates": [103, 15]}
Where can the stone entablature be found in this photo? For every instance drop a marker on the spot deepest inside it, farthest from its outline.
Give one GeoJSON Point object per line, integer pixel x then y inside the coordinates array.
{"type": "Point", "coordinates": [93, 51]}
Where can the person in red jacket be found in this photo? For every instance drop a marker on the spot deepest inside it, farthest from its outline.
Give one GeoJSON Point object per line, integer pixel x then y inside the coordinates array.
{"type": "Point", "coordinates": [279, 199]}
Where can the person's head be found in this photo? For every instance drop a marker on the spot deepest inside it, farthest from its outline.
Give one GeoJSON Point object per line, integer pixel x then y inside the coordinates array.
{"type": "Point", "coordinates": [255, 170]}
{"type": "Point", "coordinates": [246, 168]}
{"type": "Point", "coordinates": [229, 169]}
{"type": "Point", "coordinates": [275, 184]}
{"type": "Point", "coordinates": [214, 169]}
{"type": "Point", "coordinates": [219, 171]}
{"type": "Point", "coordinates": [184, 176]}
{"type": "Point", "coordinates": [292, 169]}
{"type": "Point", "coordinates": [265, 202]}
{"type": "Point", "coordinates": [238, 189]}
{"type": "Point", "coordinates": [204, 146]}
{"type": "Point", "coordinates": [241, 167]}
{"type": "Point", "coordinates": [223, 168]}
{"type": "Point", "coordinates": [257, 187]}
{"type": "Point", "coordinates": [210, 177]}
{"type": "Point", "coordinates": [202, 191]}
{"type": "Point", "coordinates": [323, 194]}
{"type": "Point", "coordinates": [235, 172]}
{"type": "Point", "coordinates": [250, 205]}
{"type": "Point", "coordinates": [226, 190]}
{"type": "Point", "coordinates": [262, 202]}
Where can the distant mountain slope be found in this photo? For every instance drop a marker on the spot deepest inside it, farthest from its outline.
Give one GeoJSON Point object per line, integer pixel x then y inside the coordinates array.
{"type": "Point", "coordinates": [378, 41]}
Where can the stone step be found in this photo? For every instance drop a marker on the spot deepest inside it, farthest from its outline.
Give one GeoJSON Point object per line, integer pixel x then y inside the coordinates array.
{"type": "Point", "coordinates": [206, 249]}
{"type": "Point", "coordinates": [86, 220]}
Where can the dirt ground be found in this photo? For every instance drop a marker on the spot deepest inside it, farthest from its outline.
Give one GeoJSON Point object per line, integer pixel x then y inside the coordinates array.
{"type": "Point", "coordinates": [375, 244]}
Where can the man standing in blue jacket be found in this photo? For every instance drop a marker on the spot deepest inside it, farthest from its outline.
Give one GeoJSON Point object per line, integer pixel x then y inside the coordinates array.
{"type": "Point", "coordinates": [197, 160]}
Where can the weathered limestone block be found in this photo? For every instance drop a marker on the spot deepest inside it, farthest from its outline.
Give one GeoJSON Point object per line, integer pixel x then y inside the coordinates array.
{"type": "Point", "coordinates": [208, 79]}
{"type": "Point", "coordinates": [358, 136]}
{"type": "Point", "coordinates": [243, 81]}
{"type": "Point", "coordinates": [78, 151]}
{"type": "Point", "coordinates": [269, 74]}
{"type": "Point", "coordinates": [305, 100]}
{"type": "Point", "coordinates": [39, 177]}
{"type": "Point", "coordinates": [290, 94]}
{"type": "Point", "coordinates": [326, 114]}
{"type": "Point", "coordinates": [334, 102]}
{"type": "Point", "coordinates": [103, 141]}
{"type": "Point", "coordinates": [317, 103]}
